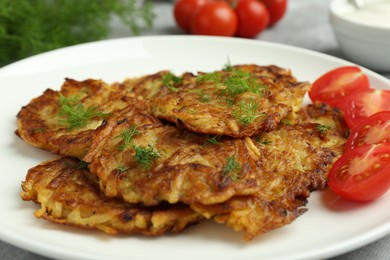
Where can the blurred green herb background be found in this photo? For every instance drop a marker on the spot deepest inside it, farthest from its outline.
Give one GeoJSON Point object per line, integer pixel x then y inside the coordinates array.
{"type": "Point", "coordinates": [28, 27]}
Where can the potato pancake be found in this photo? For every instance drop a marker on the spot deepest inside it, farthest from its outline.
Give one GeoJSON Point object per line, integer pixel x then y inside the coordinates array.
{"type": "Point", "coordinates": [242, 100]}
{"type": "Point", "coordinates": [294, 160]}
{"type": "Point", "coordinates": [154, 163]}
{"type": "Point", "coordinates": [63, 121]}
{"type": "Point", "coordinates": [69, 194]}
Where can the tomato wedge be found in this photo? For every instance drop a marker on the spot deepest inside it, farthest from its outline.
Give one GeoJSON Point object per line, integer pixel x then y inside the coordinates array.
{"type": "Point", "coordinates": [362, 174]}
{"type": "Point", "coordinates": [373, 130]}
{"type": "Point", "coordinates": [364, 103]}
{"type": "Point", "coordinates": [334, 86]}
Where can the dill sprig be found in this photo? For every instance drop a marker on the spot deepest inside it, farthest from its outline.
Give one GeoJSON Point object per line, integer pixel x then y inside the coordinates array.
{"type": "Point", "coordinates": [170, 80]}
{"type": "Point", "coordinates": [246, 112]}
{"type": "Point", "coordinates": [30, 27]}
{"type": "Point", "coordinates": [266, 142]}
{"type": "Point", "coordinates": [82, 165]}
{"type": "Point", "coordinates": [145, 156]}
{"type": "Point", "coordinates": [213, 140]}
{"type": "Point", "coordinates": [202, 95]}
{"type": "Point", "coordinates": [228, 66]}
{"type": "Point", "coordinates": [38, 130]}
{"type": "Point", "coordinates": [74, 112]}
{"type": "Point", "coordinates": [239, 82]}
{"type": "Point", "coordinates": [122, 168]}
{"type": "Point", "coordinates": [212, 77]}
{"type": "Point", "coordinates": [323, 129]}
{"type": "Point", "coordinates": [263, 142]}
{"type": "Point", "coordinates": [127, 136]}
{"type": "Point", "coordinates": [232, 168]}
{"type": "Point", "coordinates": [286, 121]}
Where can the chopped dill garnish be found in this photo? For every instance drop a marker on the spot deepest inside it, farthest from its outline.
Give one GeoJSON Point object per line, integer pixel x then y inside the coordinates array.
{"type": "Point", "coordinates": [38, 130]}
{"type": "Point", "coordinates": [347, 133]}
{"type": "Point", "coordinates": [170, 80]}
{"type": "Point", "coordinates": [79, 166]}
{"type": "Point", "coordinates": [191, 111]}
{"type": "Point", "coordinates": [213, 140]}
{"type": "Point", "coordinates": [263, 142]}
{"type": "Point", "coordinates": [202, 95]}
{"type": "Point", "coordinates": [266, 141]}
{"type": "Point", "coordinates": [76, 115]}
{"type": "Point", "coordinates": [323, 129]}
{"type": "Point", "coordinates": [228, 66]}
{"type": "Point", "coordinates": [122, 168]}
{"type": "Point", "coordinates": [127, 136]}
{"type": "Point", "coordinates": [213, 77]}
{"type": "Point", "coordinates": [82, 165]}
{"type": "Point", "coordinates": [232, 168]}
{"type": "Point", "coordinates": [246, 112]}
{"type": "Point", "coordinates": [145, 156]}
{"type": "Point", "coordinates": [286, 121]}
{"type": "Point", "coordinates": [239, 82]}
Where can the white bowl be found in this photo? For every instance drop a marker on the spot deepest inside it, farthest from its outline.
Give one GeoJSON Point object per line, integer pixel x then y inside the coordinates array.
{"type": "Point", "coordinates": [365, 39]}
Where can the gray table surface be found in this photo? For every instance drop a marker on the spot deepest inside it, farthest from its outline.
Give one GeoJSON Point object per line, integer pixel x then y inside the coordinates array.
{"type": "Point", "coordinates": [305, 25]}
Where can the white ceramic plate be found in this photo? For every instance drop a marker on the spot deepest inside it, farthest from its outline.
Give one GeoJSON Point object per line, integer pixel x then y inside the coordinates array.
{"type": "Point", "coordinates": [330, 227]}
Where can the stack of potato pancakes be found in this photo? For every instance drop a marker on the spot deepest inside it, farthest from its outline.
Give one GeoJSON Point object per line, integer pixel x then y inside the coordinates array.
{"type": "Point", "coordinates": [161, 152]}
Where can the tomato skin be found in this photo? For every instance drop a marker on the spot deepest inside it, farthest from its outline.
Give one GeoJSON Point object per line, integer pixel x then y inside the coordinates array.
{"type": "Point", "coordinates": [373, 130]}
{"type": "Point", "coordinates": [362, 174]}
{"type": "Point", "coordinates": [253, 18]}
{"type": "Point", "coordinates": [183, 11]}
{"type": "Point", "coordinates": [364, 103]}
{"type": "Point", "coordinates": [334, 86]}
{"type": "Point", "coordinates": [214, 18]}
{"type": "Point", "coordinates": [277, 9]}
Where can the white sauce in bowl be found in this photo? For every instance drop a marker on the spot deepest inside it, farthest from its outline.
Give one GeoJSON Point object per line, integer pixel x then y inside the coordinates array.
{"type": "Point", "coordinates": [374, 13]}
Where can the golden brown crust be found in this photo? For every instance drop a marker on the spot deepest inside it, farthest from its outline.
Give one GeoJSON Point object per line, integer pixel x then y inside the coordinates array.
{"type": "Point", "coordinates": [292, 162]}
{"type": "Point", "coordinates": [337, 130]}
{"type": "Point", "coordinates": [41, 124]}
{"type": "Point", "coordinates": [146, 86]}
{"type": "Point", "coordinates": [208, 106]}
{"type": "Point", "coordinates": [188, 168]}
{"type": "Point", "coordinates": [71, 196]}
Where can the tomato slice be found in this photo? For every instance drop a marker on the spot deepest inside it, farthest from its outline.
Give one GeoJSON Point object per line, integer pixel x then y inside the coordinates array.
{"type": "Point", "coordinates": [364, 103]}
{"type": "Point", "coordinates": [373, 130]}
{"type": "Point", "coordinates": [362, 174]}
{"type": "Point", "coordinates": [334, 86]}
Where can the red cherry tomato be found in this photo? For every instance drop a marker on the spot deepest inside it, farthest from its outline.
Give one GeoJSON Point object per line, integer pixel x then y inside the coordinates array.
{"type": "Point", "coordinates": [214, 18]}
{"type": "Point", "coordinates": [334, 86]}
{"type": "Point", "coordinates": [184, 10]}
{"type": "Point", "coordinates": [362, 174]}
{"type": "Point", "coordinates": [276, 8]}
{"type": "Point", "coordinates": [364, 103]}
{"type": "Point", "coordinates": [253, 18]}
{"type": "Point", "coordinates": [373, 130]}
